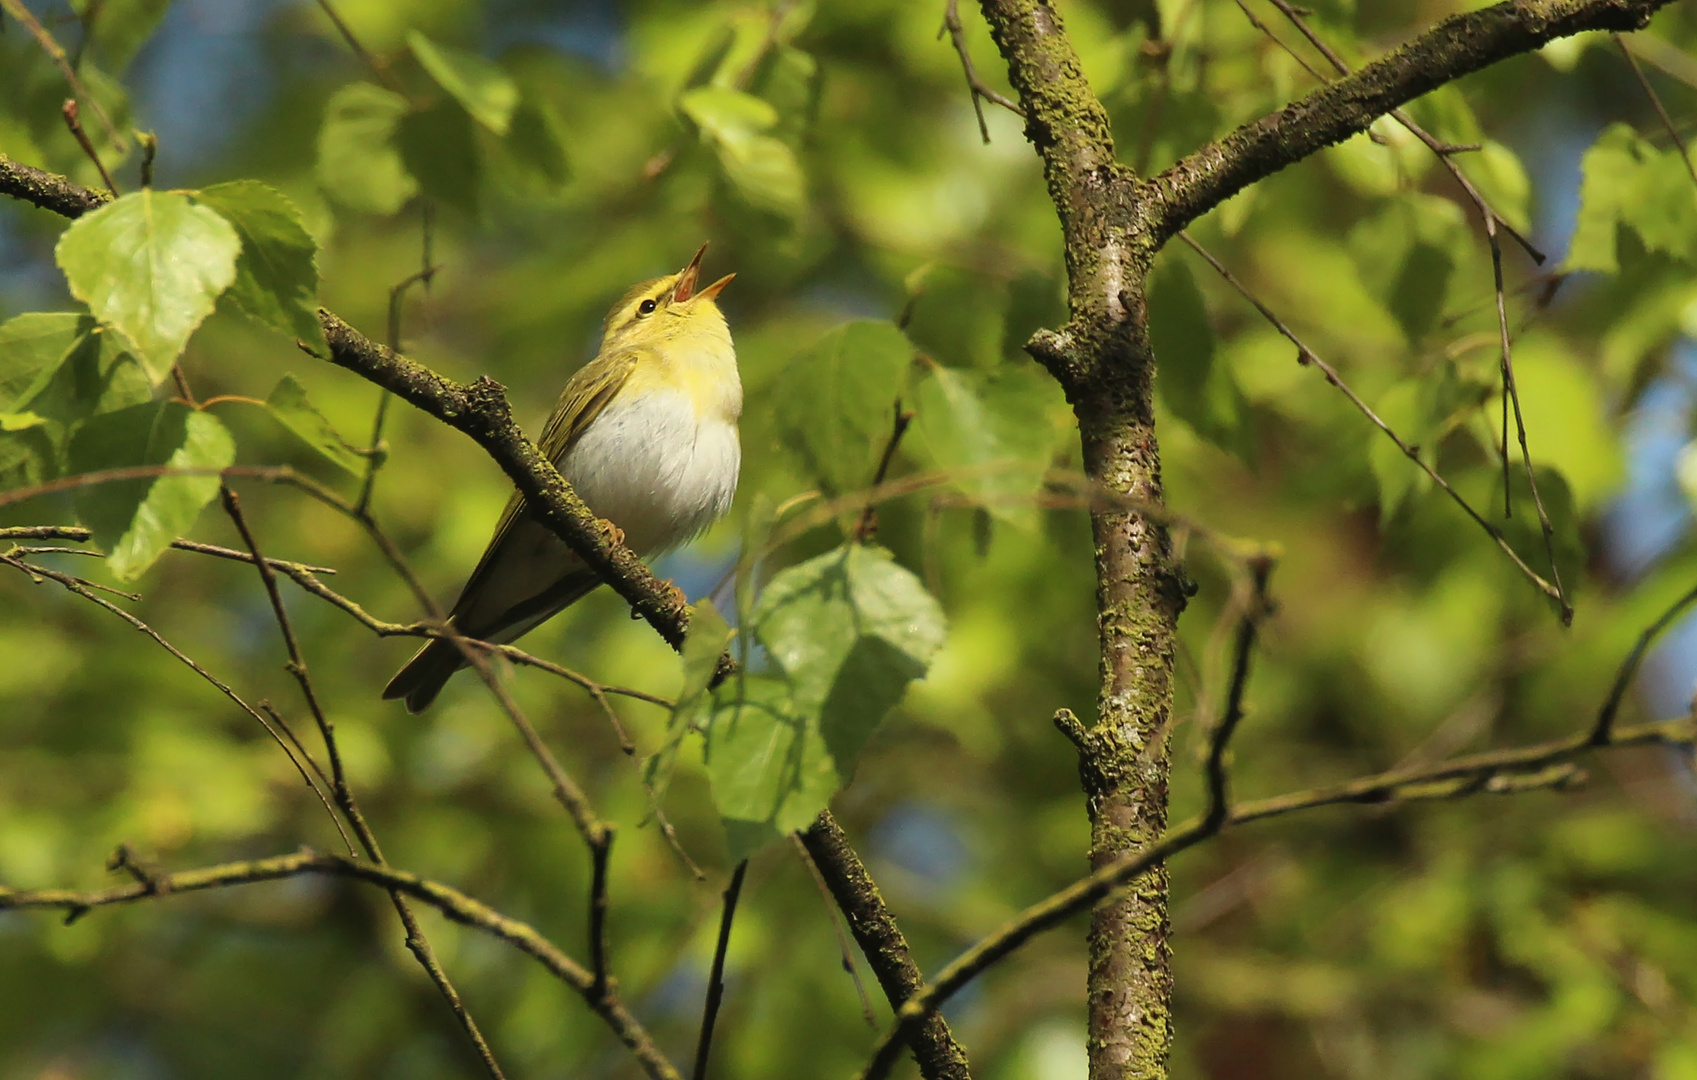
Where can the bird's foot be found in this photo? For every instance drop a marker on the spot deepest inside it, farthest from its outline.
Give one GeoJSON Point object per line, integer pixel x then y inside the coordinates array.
{"type": "Point", "coordinates": [614, 533]}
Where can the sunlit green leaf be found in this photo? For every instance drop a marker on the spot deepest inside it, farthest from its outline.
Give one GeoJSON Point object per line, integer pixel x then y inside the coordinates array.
{"type": "Point", "coordinates": [1628, 181]}
{"type": "Point", "coordinates": [993, 435]}
{"type": "Point", "coordinates": [770, 769]}
{"type": "Point", "coordinates": [760, 166]}
{"type": "Point", "coordinates": [277, 274]}
{"type": "Point", "coordinates": [836, 402]}
{"type": "Point", "coordinates": [32, 346]}
{"type": "Point", "coordinates": [848, 630]}
{"type": "Point", "coordinates": [289, 404]}
{"type": "Point", "coordinates": [136, 520]}
{"type": "Point", "coordinates": [359, 164]}
{"type": "Point", "coordinates": [488, 93]}
{"type": "Point", "coordinates": [151, 264]}
{"type": "Point", "coordinates": [708, 635]}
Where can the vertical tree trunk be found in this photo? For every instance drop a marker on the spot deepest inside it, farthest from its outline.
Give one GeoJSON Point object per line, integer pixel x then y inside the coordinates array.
{"type": "Point", "coordinates": [1123, 758]}
{"type": "Point", "coordinates": [1103, 361]}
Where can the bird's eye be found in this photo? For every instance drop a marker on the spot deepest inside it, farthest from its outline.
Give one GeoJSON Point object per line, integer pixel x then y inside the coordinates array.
{"type": "Point", "coordinates": [646, 307]}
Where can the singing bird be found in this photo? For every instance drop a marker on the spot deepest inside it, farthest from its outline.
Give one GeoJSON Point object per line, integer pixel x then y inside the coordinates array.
{"type": "Point", "coordinates": [646, 433]}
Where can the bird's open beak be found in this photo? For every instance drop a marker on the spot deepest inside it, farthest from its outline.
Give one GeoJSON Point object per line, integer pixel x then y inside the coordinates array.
{"type": "Point", "coordinates": [713, 290]}
{"type": "Point", "coordinates": [685, 288]}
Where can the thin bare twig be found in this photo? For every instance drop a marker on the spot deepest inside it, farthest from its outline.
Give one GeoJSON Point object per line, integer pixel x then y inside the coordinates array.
{"type": "Point", "coordinates": [716, 977]}
{"type": "Point", "coordinates": [1661, 110]}
{"type": "Point", "coordinates": [1513, 392]}
{"type": "Point", "coordinates": [844, 952]}
{"type": "Point", "coordinates": [1602, 731]}
{"type": "Point", "coordinates": [599, 854]}
{"type": "Point", "coordinates": [449, 901]}
{"type": "Point", "coordinates": [85, 589]}
{"type": "Point", "coordinates": [378, 68]}
{"type": "Point", "coordinates": [374, 460]}
{"type": "Point", "coordinates": [1305, 355]}
{"type": "Point", "coordinates": [49, 45]}
{"type": "Point", "coordinates": [73, 123]}
{"type": "Point", "coordinates": [867, 527]}
{"type": "Point", "coordinates": [415, 940]}
{"type": "Point", "coordinates": [979, 90]}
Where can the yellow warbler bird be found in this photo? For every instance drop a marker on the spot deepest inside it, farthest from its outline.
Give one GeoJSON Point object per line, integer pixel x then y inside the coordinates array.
{"type": "Point", "coordinates": [646, 433]}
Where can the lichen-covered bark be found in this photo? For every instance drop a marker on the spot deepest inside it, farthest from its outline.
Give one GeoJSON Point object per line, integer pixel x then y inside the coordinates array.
{"type": "Point", "coordinates": [1123, 759]}
{"type": "Point", "coordinates": [1458, 46]}
{"type": "Point", "coordinates": [875, 931]}
{"type": "Point", "coordinates": [1103, 362]}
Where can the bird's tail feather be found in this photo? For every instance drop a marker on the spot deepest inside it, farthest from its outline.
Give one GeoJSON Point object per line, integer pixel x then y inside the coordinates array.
{"type": "Point", "coordinates": [425, 674]}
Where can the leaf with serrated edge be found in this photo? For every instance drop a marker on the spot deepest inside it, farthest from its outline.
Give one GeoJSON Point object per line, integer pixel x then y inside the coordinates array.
{"type": "Point", "coordinates": [32, 346]}
{"type": "Point", "coordinates": [289, 404]}
{"type": "Point", "coordinates": [277, 273]}
{"type": "Point", "coordinates": [849, 630]}
{"type": "Point", "coordinates": [708, 635]}
{"type": "Point", "coordinates": [835, 401]}
{"type": "Point", "coordinates": [136, 520]}
{"type": "Point", "coordinates": [151, 265]}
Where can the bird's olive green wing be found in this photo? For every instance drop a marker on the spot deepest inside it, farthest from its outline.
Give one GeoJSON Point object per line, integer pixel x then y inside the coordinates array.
{"type": "Point", "coordinates": [585, 396]}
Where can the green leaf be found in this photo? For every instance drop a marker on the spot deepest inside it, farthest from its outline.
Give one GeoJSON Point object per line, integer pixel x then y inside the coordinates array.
{"type": "Point", "coordinates": [1402, 408]}
{"type": "Point", "coordinates": [1663, 206]}
{"type": "Point", "coordinates": [289, 404]}
{"type": "Point", "coordinates": [439, 146]}
{"type": "Point", "coordinates": [1608, 172]}
{"type": "Point", "coordinates": [836, 401]}
{"type": "Point", "coordinates": [848, 630]}
{"type": "Point", "coordinates": [1499, 175]}
{"type": "Point", "coordinates": [768, 765]}
{"type": "Point", "coordinates": [152, 265]}
{"type": "Point", "coordinates": [277, 274]}
{"type": "Point", "coordinates": [32, 346]}
{"type": "Point", "coordinates": [1628, 181]}
{"type": "Point", "coordinates": [117, 29]}
{"type": "Point", "coordinates": [1197, 390]}
{"type": "Point", "coordinates": [136, 520]}
{"type": "Point", "coordinates": [1567, 424]}
{"type": "Point", "coordinates": [27, 454]}
{"type": "Point", "coordinates": [708, 635]}
{"type": "Point", "coordinates": [1406, 255]}
{"type": "Point", "coordinates": [761, 167]}
{"type": "Point", "coordinates": [536, 146]}
{"type": "Point", "coordinates": [993, 435]}
{"type": "Point", "coordinates": [487, 92]}
{"type": "Point", "coordinates": [359, 164]}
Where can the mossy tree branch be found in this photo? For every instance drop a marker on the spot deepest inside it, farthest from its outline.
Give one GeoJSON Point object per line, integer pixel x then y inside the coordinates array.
{"type": "Point", "coordinates": [1460, 45]}
{"type": "Point", "coordinates": [1113, 223]}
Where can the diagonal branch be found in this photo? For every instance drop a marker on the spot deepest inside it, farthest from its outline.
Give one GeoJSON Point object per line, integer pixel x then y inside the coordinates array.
{"type": "Point", "coordinates": [875, 930]}
{"type": "Point", "coordinates": [479, 409]}
{"type": "Point", "coordinates": [980, 91]}
{"type": "Point", "coordinates": [1458, 46]}
{"type": "Point", "coordinates": [449, 901]}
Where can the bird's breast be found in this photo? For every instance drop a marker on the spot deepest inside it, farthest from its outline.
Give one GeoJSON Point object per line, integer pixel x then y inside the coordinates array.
{"type": "Point", "coordinates": [657, 466]}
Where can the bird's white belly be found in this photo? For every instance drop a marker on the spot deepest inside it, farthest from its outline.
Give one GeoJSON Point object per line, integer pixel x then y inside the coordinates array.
{"type": "Point", "coordinates": [656, 469]}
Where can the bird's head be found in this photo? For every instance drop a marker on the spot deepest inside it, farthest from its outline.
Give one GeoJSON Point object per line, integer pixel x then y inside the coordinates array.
{"type": "Point", "coordinates": [666, 308]}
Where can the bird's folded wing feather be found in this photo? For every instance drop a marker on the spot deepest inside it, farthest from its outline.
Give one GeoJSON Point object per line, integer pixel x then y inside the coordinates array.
{"type": "Point", "coordinates": [583, 399]}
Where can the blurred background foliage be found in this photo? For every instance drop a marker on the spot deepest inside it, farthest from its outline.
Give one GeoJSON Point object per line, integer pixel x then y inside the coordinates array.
{"type": "Point", "coordinates": [830, 153]}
